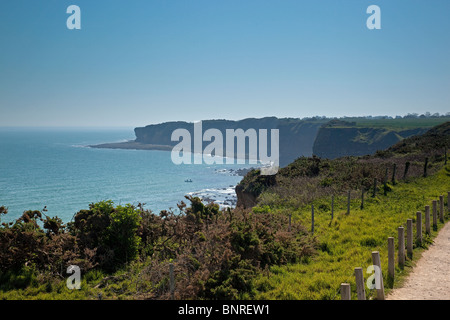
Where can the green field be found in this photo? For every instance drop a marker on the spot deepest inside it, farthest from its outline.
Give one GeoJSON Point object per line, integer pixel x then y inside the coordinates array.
{"type": "Point", "coordinates": [402, 123]}
{"type": "Point", "coordinates": [347, 241]}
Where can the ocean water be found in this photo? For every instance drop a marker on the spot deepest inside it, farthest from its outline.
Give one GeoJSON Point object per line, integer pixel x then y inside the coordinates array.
{"type": "Point", "coordinates": [54, 168]}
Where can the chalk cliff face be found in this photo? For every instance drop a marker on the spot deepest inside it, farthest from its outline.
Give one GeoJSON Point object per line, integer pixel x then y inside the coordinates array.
{"type": "Point", "coordinates": [296, 137]}
{"type": "Point", "coordinates": [322, 137]}
{"type": "Point", "coordinates": [338, 141]}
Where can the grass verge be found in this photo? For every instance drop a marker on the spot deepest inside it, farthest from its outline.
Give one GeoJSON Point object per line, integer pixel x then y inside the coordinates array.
{"type": "Point", "coordinates": [347, 241]}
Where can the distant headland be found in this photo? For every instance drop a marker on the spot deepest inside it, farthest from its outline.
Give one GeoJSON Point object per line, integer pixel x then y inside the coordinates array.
{"type": "Point", "coordinates": [321, 136]}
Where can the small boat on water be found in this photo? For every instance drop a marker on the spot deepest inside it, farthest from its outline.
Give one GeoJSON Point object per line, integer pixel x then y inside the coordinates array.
{"type": "Point", "coordinates": [188, 180]}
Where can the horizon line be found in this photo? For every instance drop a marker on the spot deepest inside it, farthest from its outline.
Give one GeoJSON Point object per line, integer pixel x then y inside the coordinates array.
{"type": "Point", "coordinates": [389, 117]}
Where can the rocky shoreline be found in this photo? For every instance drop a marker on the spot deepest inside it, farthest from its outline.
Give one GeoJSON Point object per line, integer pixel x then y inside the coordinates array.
{"type": "Point", "coordinates": [235, 172]}
{"type": "Point", "coordinates": [224, 197]}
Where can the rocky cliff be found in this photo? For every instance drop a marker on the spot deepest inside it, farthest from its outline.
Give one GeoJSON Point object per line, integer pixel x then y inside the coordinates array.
{"type": "Point", "coordinates": [325, 138]}
{"type": "Point", "coordinates": [336, 139]}
{"type": "Point", "coordinates": [339, 138]}
{"type": "Point", "coordinates": [296, 136]}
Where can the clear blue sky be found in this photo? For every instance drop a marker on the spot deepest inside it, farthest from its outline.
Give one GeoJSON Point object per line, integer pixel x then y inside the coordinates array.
{"type": "Point", "coordinates": [139, 62]}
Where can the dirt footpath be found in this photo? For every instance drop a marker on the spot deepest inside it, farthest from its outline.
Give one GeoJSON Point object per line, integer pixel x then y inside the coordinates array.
{"type": "Point", "coordinates": [430, 278]}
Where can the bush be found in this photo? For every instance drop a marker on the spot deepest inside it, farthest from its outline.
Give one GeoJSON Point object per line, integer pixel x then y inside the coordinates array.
{"type": "Point", "coordinates": [121, 236]}
{"type": "Point", "coordinates": [24, 243]}
{"type": "Point", "coordinates": [232, 281]}
{"type": "Point", "coordinates": [216, 254]}
{"type": "Point", "coordinates": [112, 232]}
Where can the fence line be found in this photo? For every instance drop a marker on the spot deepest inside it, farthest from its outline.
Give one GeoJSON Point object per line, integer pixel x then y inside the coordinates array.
{"type": "Point", "coordinates": [419, 228]}
{"type": "Point", "coordinates": [427, 220]}
{"type": "Point", "coordinates": [359, 278]}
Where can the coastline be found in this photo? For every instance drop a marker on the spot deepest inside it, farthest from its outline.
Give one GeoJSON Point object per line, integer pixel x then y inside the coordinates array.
{"type": "Point", "coordinates": [225, 197]}
{"type": "Point", "coordinates": [133, 145]}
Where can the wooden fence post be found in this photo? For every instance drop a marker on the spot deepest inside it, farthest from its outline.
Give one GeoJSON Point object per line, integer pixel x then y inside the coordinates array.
{"type": "Point", "coordinates": [172, 282]}
{"type": "Point", "coordinates": [409, 237]}
{"type": "Point", "coordinates": [360, 289]}
{"type": "Point", "coordinates": [441, 208]}
{"type": "Point", "coordinates": [394, 172]}
{"type": "Point", "coordinates": [312, 219]}
{"type": "Point", "coordinates": [419, 227]}
{"type": "Point", "coordinates": [345, 291]}
{"type": "Point", "coordinates": [362, 198]}
{"type": "Point", "coordinates": [376, 262]}
{"type": "Point", "coordinates": [401, 247]}
{"type": "Point", "coordinates": [434, 207]}
{"type": "Point", "coordinates": [425, 167]}
{"type": "Point", "coordinates": [391, 257]}
{"type": "Point", "coordinates": [407, 164]}
{"type": "Point", "coordinates": [427, 220]}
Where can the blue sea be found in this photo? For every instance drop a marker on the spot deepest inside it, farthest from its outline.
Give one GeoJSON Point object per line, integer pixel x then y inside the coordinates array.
{"type": "Point", "coordinates": [54, 167]}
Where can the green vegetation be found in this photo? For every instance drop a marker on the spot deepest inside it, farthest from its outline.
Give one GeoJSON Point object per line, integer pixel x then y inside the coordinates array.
{"type": "Point", "coordinates": [388, 123]}
{"type": "Point", "coordinates": [347, 241]}
{"type": "Point", "coordinates": [408, 156]}
{"type": "Point", "coordinates": [124, 252]}
{"type": "Point", "coordinates": [361, 136]}
{"type": "Point", "coordinates": [110, 231]}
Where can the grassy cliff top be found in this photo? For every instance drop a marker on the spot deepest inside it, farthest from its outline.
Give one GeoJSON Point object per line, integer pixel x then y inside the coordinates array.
{"type": "Point", "coordinates": [346, 240]}
{"type": "Point", "coordinates": [408, 157]}
{"type": "Point", "coordinates": [392, 124]}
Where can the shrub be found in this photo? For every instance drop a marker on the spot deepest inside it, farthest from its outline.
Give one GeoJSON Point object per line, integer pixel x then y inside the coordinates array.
{"type": "Point", "coordinates": [23, 243]}
{"type": "Point", "coordinates": [121, 234]}
{"type": "Point", "coordinates": [111, 231]}
{"type": "Point", "coordinates": [232, 281]}
{"type": "Point", "coordinates": [216, 254]}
